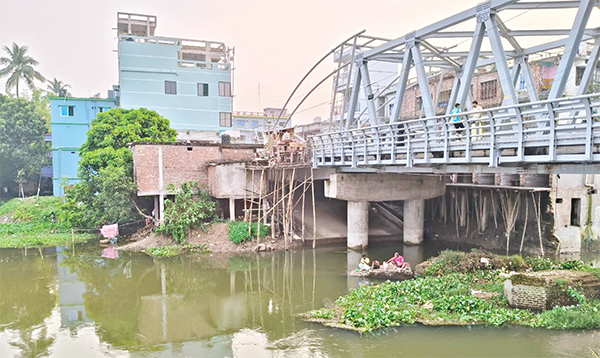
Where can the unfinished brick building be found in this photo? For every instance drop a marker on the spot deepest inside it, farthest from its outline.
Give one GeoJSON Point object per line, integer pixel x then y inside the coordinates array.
{"type": "Point", "coordinates": [157, 165]}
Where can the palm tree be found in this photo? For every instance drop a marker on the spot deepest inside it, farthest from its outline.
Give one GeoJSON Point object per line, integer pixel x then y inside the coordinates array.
{"type": "Point", "coordinates": [57, 88]}
{"type": "Point", "coordinates": [19, 66]}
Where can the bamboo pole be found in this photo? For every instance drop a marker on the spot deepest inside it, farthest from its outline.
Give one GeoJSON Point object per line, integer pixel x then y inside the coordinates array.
{"type": "Point", "coordinates": [312, 177]}
{"type": "Point", "coordinates": [245, 194]}
{"type": "Point", "coordinates": [274, 194]}
{"type": "Point", "coordinates": [525, 224]}
{"type": "Point", "coordinates": [538, 215]}
{"type": "Point", "coordinates": [283, 219]}
{"type": "Point", "coordinates": [303, 207]}
{"type": "Point", "coordinates": [494, 209]}
{"type": "Point", "coordinates": [251, 206]}
{"type": "Point", "coordinates": [262, 175]}
{"type": "Point", "coordinates": [291, 206]}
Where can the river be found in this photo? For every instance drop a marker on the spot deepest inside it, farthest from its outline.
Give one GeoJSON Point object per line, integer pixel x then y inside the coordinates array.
{"type": "Point", "coordinates": [61, 302]}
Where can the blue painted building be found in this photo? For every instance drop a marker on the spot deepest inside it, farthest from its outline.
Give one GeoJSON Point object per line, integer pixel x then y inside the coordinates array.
{"type": "Point", "coordinates": [71, 119]}
{"type": "Point", "coordinates": [186, 81]}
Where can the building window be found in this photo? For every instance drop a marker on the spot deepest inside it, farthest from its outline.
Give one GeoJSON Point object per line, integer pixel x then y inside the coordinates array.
{"type": "Point", "coordinates": [579, 75]}
{"type": "Point", "coordinates": [418, 105]}
{"type": "Point", "coordinates": [225, 119]}
{"type": "Point", "coordinates": [67, 111]}
{"type": "Point", "coordinates": [225, 89]}
{"type": "Point", "coordinates": [170, 87]}
{"type": "Point", "coordinates": [575, 212]}
{"type": "Point", "coordinates": [254, 124]}
{"type": "Point", "coordinates": [240, 123]}
{"type": "Point", "coordinates": [203, 89]}
{"type": "Point", "coordinates": [443, 99]}
{"type": "Point", "coordinates": [488, 89]}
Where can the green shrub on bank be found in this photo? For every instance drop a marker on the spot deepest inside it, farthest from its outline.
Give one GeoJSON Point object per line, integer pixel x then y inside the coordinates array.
{"type": "Point", "coordinates": [238, 231]}
{"type": "Point", "coordinates": [191, 208]}
{"type": "Point", "coordinates": [449, 261]}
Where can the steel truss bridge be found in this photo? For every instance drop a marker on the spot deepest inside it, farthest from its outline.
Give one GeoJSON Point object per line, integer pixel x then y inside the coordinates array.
{"type": "Point", "coordinates": [552, 135]}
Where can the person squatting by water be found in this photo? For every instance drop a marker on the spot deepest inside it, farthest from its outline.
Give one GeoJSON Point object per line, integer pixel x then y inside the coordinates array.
{"type": "Point", "coordinates": [398, 261]}
{"type": "Point", "coordinates": [364, 263]}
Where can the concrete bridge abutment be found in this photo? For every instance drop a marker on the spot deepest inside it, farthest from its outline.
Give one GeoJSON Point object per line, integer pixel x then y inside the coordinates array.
{"type": "Point", "coordinates": [361, 188]}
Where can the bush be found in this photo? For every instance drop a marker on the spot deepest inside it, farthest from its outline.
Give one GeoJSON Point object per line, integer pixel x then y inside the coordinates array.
{"type": "Point", "coordinates": [238, 231]}
{"type": "Point", "coordinates": [191, 208]}
{"type": "Point", "coordinates": [542, 264]}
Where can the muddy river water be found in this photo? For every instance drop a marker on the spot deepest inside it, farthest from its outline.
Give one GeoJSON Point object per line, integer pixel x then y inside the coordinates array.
{"type": "Point", "coordinates": [62, 302]}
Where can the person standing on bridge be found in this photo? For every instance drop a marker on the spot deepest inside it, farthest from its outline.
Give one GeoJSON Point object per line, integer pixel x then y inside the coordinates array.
{"type": "Point", "coordinates": [456, 119]}
{"type": "Point", "coordinates": [478, 130]}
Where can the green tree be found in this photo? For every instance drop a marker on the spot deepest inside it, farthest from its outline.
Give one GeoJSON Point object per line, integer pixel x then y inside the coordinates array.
{"type": "Point", "coordinates": [19, 66]}
{"type": "Point", "coordinates": [107, 191]}
{"type": "Point", "coordinates": [22, 143]}
{"type": "Point", "coordinates": [57, 88]}
{"type": "Point", "coordinates": [41, 103]}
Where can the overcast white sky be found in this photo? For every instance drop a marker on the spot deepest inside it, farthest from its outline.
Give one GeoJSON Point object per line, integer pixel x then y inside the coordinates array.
{"type": "Point", "coordinates": [276, 41]}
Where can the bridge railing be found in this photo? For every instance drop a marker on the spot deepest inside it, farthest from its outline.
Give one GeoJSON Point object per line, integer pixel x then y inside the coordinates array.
{"type": "Point", "coordinates": [561, 130]}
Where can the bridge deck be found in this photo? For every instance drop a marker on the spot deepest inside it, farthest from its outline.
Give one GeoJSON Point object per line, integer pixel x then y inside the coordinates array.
{"type": "Point", "coordinates": [562, 131]}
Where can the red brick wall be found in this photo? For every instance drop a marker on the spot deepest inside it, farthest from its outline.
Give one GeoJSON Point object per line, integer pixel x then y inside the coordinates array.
{"type": "Point", "coordinates": [409, 110]}
{"type": "Point", "coordinates": [181, 163]}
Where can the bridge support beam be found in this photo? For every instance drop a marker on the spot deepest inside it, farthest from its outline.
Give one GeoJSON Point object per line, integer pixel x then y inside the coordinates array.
{"type": "Point", "coordinates": [414, 219]}
{"type": "Point", "coordinates": [358, 224]}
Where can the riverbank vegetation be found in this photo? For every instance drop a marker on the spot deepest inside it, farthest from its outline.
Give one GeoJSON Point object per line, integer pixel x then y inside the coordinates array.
{"type": "Point", "coordinates": [191, 208]}
{"type": "Point", "coordinates": [27, 223]}
{"type": "Point", "coordinates": [455, 289]}
{"type": "Point", "coordinates": [175, 250]}
{"type": "Point", "coordinates": [239, 232]}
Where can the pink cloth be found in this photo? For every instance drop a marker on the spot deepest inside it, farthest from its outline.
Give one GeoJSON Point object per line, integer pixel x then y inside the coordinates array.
{"type": "Point", "coordinates": [110, 231]}
{"type": "Point", "coordinates": [110, 253]}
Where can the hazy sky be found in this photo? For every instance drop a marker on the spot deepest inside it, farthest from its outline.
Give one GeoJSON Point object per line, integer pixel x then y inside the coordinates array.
{"type": "Point", "coordinates": [276, 41]}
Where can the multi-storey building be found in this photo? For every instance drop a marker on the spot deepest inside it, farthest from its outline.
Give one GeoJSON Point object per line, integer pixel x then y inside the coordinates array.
{"type": "Point", "coordinates": [186, 81]}
{"type": "Point", "coordinates": [71, 119]}
{"type": "Point", "coordinates": [248, 126]}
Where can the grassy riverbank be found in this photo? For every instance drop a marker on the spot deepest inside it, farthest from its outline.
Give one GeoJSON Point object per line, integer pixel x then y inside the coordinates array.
{"type": "Point", "coordinates": [26, 223]}
{"type": "Point", "coordinates": [472, 296]}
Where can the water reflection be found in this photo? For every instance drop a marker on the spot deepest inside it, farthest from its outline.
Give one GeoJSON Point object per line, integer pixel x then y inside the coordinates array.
{"type": "Point", "coordinates": [78, 304]}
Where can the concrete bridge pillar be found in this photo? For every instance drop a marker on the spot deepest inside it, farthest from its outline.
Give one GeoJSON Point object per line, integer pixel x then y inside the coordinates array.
{"type": "Point", "coordinates": [360, 188]}
{"type": "Point", "coordinates": [358, 224]}
{"type": "Point", "coordinates": [414, 219]}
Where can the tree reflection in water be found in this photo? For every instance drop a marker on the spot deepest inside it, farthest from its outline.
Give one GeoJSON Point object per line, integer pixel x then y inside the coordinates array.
{"type": "Point", "coordinates": [31, 347]}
